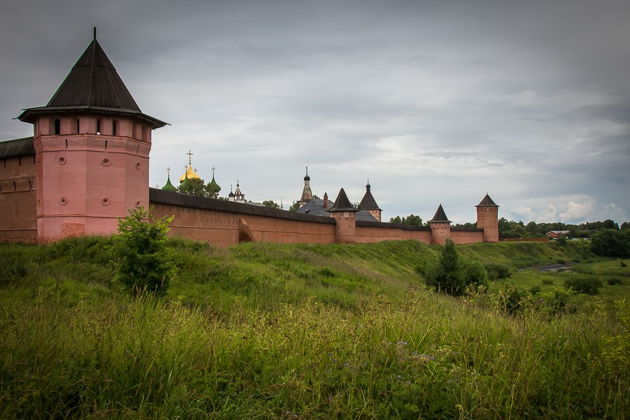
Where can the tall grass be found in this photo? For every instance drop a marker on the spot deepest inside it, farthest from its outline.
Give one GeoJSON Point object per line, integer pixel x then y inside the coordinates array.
{"type": "Point", "coordinates": [284, 331]}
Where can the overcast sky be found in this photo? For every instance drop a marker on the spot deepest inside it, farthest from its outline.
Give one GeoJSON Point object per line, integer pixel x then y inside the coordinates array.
{"type": "Point", "coordinates": [433, 101]}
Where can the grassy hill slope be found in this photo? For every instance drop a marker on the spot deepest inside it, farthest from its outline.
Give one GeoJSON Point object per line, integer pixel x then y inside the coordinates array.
{"type": "Point", "coordinates": [285, 331]}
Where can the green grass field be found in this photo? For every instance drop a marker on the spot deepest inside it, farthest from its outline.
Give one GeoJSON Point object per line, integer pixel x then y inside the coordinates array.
{"type": "Point", "coordinates": [307, 331]}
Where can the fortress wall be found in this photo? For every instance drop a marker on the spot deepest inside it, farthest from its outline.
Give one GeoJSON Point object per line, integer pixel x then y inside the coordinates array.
{"type": "Point", "coordinates": [468, 236]}
{"type": "Point", "coordinates": [18, 201]}
{"type": "Point", "coordinates": [224, 223]}
{"type": "Point", "coordinates": [369, 232]}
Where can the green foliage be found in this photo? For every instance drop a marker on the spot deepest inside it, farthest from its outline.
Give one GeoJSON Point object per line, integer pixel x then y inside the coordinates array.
{"type": "Point", "coordinates": [194, 186]}
{"type": "Point", "coordinates": [411, 220]}
{"type": "Point", "coordinates": [497, 271]}
{"type": "Point", "coordinates": [451, 275]}
{"type": "Point", "coordinates": [583, 284]}
{"type": "Point", "coordinates": [271, 204]}
{"type": "Point", "coordinates": [547, 282]}
{"type": "Point", "coordinates": [511, 299]}
{"type": "Point", "coordinates": [614, 281]}
{"type": "Point", "coordinates": [307, 331]}
{"type": "Point", "coordinates": [611, 243]}
{"type": "Point", "coordinates": [294, 206]}
{"type": "Point", "coordinates": [144, 265]}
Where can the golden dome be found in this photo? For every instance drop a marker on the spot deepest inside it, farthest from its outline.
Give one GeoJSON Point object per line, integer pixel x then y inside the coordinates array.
{"type": "Point", "coordinates": [190, 174]}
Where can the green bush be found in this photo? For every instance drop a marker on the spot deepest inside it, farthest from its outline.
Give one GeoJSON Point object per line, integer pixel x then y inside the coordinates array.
{"type": "Point", "coordinates": [144, 266]}
{"type": "Point", "coordinates": [547, 282]}
{"type": "Point", "coordinates": [451, 275]}
{"type": "Point", "coordinates": [497, 271]}
{"type": "Point", "coordinates": [584, 284]}
{"type": "Point", "coordinates": [613, 281]}
{"type": "Point", "coordinates": [511, 299]}
{"type": "Point", "coordinates": [534, 290]}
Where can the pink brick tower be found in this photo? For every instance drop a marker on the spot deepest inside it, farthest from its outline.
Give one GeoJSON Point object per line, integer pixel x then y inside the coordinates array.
{"type": "Point", "coordinates": [345, 215]}
{"type": "Point", "coordinates": [488, 219]}
{"type": "Point", "coordinates": [440, 227]}
{"type": "Point", "coordinates": [92, 146]}
{"type": "Point", "coordinates": [368, 203]}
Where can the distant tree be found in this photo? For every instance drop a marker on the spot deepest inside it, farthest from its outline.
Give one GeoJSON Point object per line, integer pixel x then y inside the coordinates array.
{"type": "Point", "coordinates": [411, 220]}
{"type": "Point", "coordinates": [611, 243]}
{"type": "Point", "coordinates": [294, 206]}
{"type": "Point", "coordinates": [193, 186]}
{"type": "Point", "coordinates": [271, 204]}
{"type": "Point", "coordinates": [625, 225]}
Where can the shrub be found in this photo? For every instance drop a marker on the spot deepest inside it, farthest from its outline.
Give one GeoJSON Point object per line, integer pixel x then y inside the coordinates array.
{"type": "Point", "coordinates": [547, 282]}
{"type": "Point", "coordinates": [452, 275]}
{"type": "Point", "coordinates": [475, 274]}
{"type": "Point", "coordinates": [511, 299]}
{"type": "Point", "coordinates": [584, 284]}
{"type": "Point", "coordinates": [534, 290]}
{"type": "Point", "coordinates": [497, 271]}
{"type": "Point", "coordinates": [144, 265]}
{"type": "Point", "coordinates": [614, 281]}
{"type": "Point", "coordinates": [556, 301]}
{"type": "Point", "coordinates": [622, 263]}
{"type": "Point", "coordinates": [446, 276]}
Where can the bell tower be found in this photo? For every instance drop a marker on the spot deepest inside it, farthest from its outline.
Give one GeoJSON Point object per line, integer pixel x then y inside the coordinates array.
{"type": "Point", "coordinates": [92, 145]}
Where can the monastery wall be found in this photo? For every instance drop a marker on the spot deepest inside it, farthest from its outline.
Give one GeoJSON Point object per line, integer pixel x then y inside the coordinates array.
{"type": "Point", "coordinates": [18, 190]}
{"type": "Point", "coordinates": [466, 236]}
{"type": "Point", "coordinates": [370, 232]}
{"type": "Point", "coordinates": [224, 223]}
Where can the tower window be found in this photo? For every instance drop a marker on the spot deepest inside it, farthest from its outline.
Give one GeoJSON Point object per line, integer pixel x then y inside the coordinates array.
{"type": "Point", "coordinates": [114, 127]}
{"type": "Point", "coordinates": [78, 127]}
{"type": "Point", "coordinates": [98, 126]}
{"type": "Point", "coordinates": [57, 126]}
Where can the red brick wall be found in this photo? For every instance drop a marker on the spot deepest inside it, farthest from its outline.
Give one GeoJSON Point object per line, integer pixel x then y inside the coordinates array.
{"type": "Point", "coordinates": [378, 234]}
{"type": "Point", "coordinates": [466, 237]}
{"type": "Point", "coordinates": [18, 218]}
{"type": "Point", "coordinates": [224, 229]}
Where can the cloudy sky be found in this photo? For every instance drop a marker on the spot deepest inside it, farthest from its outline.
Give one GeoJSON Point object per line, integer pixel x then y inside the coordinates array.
{"type": "Point", "coordinates": [433, 101]}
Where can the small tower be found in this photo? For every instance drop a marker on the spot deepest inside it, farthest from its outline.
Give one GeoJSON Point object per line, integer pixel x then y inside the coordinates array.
{"type": "Point", "coordinates": [488, 219]}
{"type": "Point", "coordinates": [345, 215]}
{"type": "Point", "coordinates": [92, 146]}
{"type": "Point", "coordinates": [238, 194]}
{"type": "Point", "coordinates": [231, 194]}
{"type": "Point", "coordinates": [368, 203]}
{"type": "Point", "coordinates": [440, 227]}
{"type": "Point", "coordinates": [307, 194]}
{"type": "Point", "coordinates": [168, 186]}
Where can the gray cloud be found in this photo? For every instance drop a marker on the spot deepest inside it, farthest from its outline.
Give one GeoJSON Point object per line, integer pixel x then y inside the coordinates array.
{"type": "Point", "coordinates": [433, 101]}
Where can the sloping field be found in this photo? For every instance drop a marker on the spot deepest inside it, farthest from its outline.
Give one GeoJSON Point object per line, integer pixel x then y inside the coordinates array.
{"type": "Point", "coordinates": [299, 331]}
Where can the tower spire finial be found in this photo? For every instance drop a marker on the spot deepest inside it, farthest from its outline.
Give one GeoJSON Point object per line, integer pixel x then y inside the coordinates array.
{"type": "Point", "coordinates": [95, 33]}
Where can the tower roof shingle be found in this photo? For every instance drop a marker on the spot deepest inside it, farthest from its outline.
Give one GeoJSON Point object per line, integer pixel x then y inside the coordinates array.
{"type": "Point", "coordinates": [342, 203]}
{"type": "Point", "coordinates": [92, 85]}
{"type": "Point", "coordinates": [440, 216]}
{"type": "Point", "coordinates": [487, 202]}
{"type": "Point", "coordinates": [368, 202]}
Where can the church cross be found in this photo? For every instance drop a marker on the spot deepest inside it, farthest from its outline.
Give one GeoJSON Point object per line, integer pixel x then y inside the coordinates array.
{"type": "Point", "coordinates": [189, 157]}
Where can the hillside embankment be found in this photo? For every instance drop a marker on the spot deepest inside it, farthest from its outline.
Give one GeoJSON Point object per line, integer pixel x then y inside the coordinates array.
{"type": "Point", "coordinates": [288, 331]}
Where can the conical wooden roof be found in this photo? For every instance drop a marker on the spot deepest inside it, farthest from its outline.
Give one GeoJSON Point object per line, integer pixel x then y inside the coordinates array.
{"type": "Point", "coordinates": [93, 85]}
{"type": "Point", "coordinates": [342, 203]}
{"type": "Point", "coordinates": [368, 202]}
{"type": "Point", "coordinates": [440, 216]}
{"type": "Point", "coordinates": [487, 202]}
